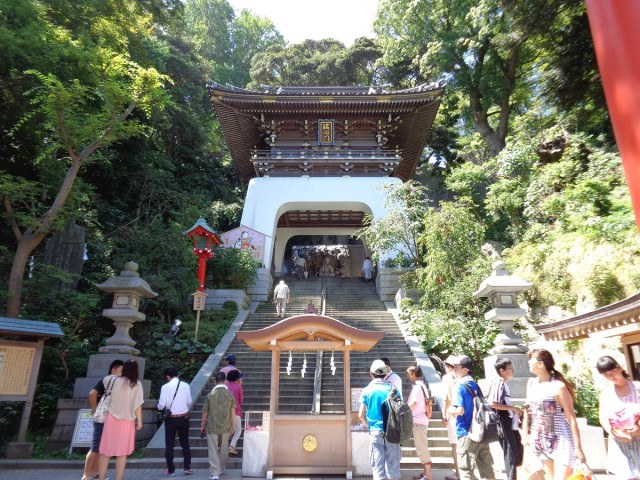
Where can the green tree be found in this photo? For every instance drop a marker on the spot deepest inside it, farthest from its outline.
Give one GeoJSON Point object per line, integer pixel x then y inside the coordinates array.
{"type": "Point", "coordinates": [317, 63]}
{"type": "Point", "coordinates": [485, 49]}
{"type": "Point", "coordinates": [81, 105]}
{"type": "Point", "coordinates": [226, 41]}
{"type": "Point", "coordinates": [395, 236]}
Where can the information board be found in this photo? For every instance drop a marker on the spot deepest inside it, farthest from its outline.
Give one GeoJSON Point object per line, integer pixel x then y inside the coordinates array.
{"type": "Point", "coordinates": [16, 364]}
{"type": "Point", "coordinates": [356, 393]}
{"type": "Point", "coordinates": [83, 432]}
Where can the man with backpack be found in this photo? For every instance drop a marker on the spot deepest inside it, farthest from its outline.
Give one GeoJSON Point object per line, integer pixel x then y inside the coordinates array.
{"type": "Point", "coordinates": [470, 453]}
{"type": "Point", "coordinates": [384, 455]}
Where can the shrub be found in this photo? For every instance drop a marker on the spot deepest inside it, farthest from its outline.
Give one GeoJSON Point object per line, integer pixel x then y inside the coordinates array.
{"type": "Point", "coordinates": [232, 268]}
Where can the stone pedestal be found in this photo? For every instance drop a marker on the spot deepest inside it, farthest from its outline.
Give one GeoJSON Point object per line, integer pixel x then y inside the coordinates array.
{"type": "Point", "coordinates": [98, 368]}
{"type": "Point", "coordinates": [518, 384]}
{"type": "Point", "coordinates": [19, 450]}
{"type": "Point", "coordinates": [68, 412]}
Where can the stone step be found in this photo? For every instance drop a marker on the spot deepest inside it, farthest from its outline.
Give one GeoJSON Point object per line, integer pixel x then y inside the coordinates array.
{"type": "Point", "coordinates": [350, 301]}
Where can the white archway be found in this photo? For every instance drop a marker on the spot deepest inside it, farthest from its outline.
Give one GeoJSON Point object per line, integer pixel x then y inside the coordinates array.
{"type": "Point", "coordinates": [269, 197]}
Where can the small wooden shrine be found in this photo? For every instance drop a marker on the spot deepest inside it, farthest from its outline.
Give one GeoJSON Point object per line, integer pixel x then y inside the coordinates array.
{"type": "Point", "coordinates": [309, 443]}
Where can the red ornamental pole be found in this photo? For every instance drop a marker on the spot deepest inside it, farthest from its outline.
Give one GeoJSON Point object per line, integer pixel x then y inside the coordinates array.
{"type": "Point", "coordinates": [202, 267]}
{"type": "Point", "coordinates": [614, 28]}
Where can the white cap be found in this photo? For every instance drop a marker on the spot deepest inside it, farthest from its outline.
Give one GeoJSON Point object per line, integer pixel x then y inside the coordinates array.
{"type": "Point", "coordinates": [378, 367]}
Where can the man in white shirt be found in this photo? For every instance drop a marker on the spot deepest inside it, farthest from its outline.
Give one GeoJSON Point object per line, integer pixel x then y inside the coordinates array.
{"type": "Point", "coordinates": [366, 268]}
{"type": "Point", "coordinates": [392, 377]}
{"type": "Point", "coordinates": [175, 395]}
{"type": "Point", "coordinates": [281, 296]}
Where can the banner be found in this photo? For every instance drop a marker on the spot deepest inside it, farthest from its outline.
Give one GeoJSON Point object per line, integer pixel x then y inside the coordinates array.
{"type": "Point", "coordinates": [246, 238]}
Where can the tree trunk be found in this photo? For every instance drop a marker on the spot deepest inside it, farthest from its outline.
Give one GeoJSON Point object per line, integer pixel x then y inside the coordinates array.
{"type": "Point", "coordinates": [16, 278]}
{"type": "Point", "coordinates": [30, 239]}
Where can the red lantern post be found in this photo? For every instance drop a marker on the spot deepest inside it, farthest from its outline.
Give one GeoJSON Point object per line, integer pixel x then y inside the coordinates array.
{"type": "Point", "coordinates": [204, 239]}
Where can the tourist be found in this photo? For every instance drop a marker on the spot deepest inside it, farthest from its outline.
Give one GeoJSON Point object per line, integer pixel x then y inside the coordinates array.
{"type": "Point", "coordinates": [383, 456]}
{"type": "Point", "coordinates": [218, 422]}
{"type": "Point", "coordinates": [392, 377]}
{"type": "Point", "coordinates": [554, 435]}
{"type": "Point", "coordinates": [300, 267]}
{"type": "Point", "coordinates": [96, 393]}
{"type": "Point", "coordinates": [234, 384]}
{"type": "Point", "coordinates": [175, 396]}
{"type": "Point", "coordinates": [450, 389]}
{"type": "Point", "coordinates": [471, 454]}
{"type": "Point", "coordinates": [366, 269]}
{"type": "Point", "coordinates": [500, 399]}
{"type": "Point", "coordinates": [420, 405]}
{"type": "Point", "coordinates": [281, 296]}
{"type": "Point", "coordinates": [124, 417]}
{"type": "Point", "coordinates": [619, 414]}
{"type": "Point", "coordinates": [229, 364]}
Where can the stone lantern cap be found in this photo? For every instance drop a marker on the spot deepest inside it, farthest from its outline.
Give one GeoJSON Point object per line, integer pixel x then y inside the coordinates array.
{"type": "Point", "coordinates": [128, 281]}
{"type": "Point", "coordinates": [501, 281]}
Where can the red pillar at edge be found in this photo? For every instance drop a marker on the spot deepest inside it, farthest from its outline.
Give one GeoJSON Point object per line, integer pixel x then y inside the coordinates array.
{"type": "Point", "coordinates": [614, 28]}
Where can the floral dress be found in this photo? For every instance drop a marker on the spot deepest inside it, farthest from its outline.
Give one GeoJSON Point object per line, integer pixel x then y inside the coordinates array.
{"type": "Point", "coordinates": [623, 461]}
{"type": "Point", "coordinates": [551, 437]}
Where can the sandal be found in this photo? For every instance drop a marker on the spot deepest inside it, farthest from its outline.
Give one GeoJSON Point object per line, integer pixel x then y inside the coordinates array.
{"type": "Point", "coordinates": [420, 477]}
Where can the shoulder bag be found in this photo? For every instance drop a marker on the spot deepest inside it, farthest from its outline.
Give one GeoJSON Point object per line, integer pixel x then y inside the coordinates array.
{"type": "Point", "coordinates": [167, 410]}
{"type": "Point", "coordinates": [103, 406]}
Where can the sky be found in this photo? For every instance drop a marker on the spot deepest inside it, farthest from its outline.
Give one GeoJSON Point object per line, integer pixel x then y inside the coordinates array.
{"type": "Point", "coordinates": [298, 20]}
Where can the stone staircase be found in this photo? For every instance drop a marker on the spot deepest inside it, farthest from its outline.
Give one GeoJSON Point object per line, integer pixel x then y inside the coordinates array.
{"type": "Point", "coordinates": [349, 300]}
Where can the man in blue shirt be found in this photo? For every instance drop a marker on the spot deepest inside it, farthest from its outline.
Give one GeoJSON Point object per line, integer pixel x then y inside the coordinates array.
{"type": "Point", "coordinates": [384, 456]}
{"type": "Point", "coordinates": [470, 453]}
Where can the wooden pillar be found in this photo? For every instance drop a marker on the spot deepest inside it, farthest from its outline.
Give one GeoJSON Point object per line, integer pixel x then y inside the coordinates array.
{"type": "Point", "coordinates": [346, 360]}
{"type": "Point", "coordinates": [26, 410]}
{"type": "Point", "coordinates": [273, 411]}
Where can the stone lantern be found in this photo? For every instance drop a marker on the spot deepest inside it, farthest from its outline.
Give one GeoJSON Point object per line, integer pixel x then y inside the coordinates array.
{"type": "Point", "coordinates": [127, 288]}
{"type": "Point", "coordinates": [502, 288]}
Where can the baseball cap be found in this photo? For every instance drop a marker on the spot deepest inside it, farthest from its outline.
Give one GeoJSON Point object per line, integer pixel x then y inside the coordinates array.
{"type": "Point", "coordinates": [451, 360]}
{"type": "Point", "coordinates": [230, 357]}
{"type": "Point", "coordinates": [378, 367]}
{"type": "Point", "coordinates": [464, 362]}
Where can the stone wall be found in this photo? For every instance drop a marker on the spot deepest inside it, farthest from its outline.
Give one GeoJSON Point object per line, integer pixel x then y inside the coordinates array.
{"type": "Point", "coordinates": [216, 298]}
{"type": "Point", "coordinates": [388, 283]}
{"type": "Point", "coordinates": [261, 290]}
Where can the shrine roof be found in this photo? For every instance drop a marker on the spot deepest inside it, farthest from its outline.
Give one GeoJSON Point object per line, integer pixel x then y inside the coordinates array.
{"type": "Point", "coordinates": [372, 90]}
{"type": "Point", "coordinates": [29, 328]}
{"type": "Point", "coordinates": [413, 110]}
{"type": "Point", "coordinates": [615, 319]}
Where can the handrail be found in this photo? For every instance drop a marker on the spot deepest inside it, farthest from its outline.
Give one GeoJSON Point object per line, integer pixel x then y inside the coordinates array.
{"type": "Point", "coordinates": [317, 379]}
{"type": "Point", "coordinates": [317, 383]}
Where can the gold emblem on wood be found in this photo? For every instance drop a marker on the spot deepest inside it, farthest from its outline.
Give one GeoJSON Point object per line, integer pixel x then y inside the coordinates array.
{"type": "Point", "coordinates": [309, 443]}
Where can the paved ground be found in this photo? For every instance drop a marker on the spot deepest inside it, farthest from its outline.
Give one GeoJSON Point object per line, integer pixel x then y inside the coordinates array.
{"type": "Point", "coordinates": [156, 474]}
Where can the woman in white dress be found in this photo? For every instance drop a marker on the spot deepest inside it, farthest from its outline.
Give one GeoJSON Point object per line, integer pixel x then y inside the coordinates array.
{"type": "Point", "coordinates": [619, 414]}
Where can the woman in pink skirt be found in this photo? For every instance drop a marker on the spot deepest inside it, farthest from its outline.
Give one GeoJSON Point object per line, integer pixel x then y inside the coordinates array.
{"type": "Point", "coordinates": [123, 419]}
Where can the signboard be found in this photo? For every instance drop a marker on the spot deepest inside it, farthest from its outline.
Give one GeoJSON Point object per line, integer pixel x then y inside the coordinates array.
{"type": "Point", "coordinates": [83, 432]}
{"type": "Point", "coordinates": [16, 364]}
{"type": "Point", "coordinates": [247, 238]}
{"type": "Point", "coordinates": [199, 300]}
{"type": "Point", "coordinates": [325, 132]}
{"type": "Point", "coordinates": [356, 393]}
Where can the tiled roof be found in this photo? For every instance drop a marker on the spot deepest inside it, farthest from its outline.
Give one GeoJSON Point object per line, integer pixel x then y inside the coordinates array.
{"type": "Point", "coordinates": [414, 109]}
{"type": "Point", "coordinates": [29, 328]}
{"type": "Point", "coordinates": [327, 91]}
